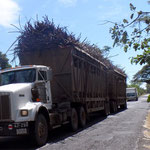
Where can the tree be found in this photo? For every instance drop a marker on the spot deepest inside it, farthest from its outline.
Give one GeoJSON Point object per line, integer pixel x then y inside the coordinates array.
{"type": "Point", "coordinates": [4, 61]}
{"type": "Point", "coordinates": [133, 33]}
{"type": "Point", "coordinates": [143, 75]}
{"type": "Point", "coordinates": [148, 88]}
{"type": "Point", "coordinates": [137, 37]}
{"type": "Point", "coordinates": [105, 51]}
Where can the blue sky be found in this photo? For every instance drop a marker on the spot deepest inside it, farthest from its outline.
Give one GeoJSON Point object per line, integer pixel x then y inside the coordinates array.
{"type": "Point", "coordinates": [80, 16]}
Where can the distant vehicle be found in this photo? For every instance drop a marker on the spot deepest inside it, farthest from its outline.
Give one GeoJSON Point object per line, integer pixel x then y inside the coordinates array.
{"type": "Point", "coordinates": [132, 94]}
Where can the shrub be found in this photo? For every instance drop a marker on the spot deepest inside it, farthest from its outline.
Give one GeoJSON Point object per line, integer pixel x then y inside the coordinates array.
{"type": "Point", "coordinates": [148, 99]}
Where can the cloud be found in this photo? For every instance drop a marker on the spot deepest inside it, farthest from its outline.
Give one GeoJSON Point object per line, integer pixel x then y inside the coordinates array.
{"type": "Point", "coordinates": [68, 3]}
{"type": "Point", "coordinates": [114, 10]}
{"type": "Point", "coordinates": [9, 12]}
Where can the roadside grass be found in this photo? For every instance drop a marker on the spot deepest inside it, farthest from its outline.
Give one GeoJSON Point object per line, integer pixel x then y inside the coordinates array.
{"type": "Point", "coordinates": [147, 131]}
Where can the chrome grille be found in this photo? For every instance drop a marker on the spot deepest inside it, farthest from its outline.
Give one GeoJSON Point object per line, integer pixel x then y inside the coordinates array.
{"type": "Point", "coordinates": [5, 113]}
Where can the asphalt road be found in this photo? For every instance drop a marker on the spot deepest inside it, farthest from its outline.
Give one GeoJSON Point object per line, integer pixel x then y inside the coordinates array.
{"type": "Point", "coordinates": [121, 131]}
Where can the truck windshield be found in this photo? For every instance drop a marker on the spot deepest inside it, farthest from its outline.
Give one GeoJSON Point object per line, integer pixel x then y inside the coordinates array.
{"type": "Point", "coordinates": [19, 76]}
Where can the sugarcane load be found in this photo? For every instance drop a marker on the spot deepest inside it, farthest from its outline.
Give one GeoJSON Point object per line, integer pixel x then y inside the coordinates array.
{"type": "Point", "coordinates": [60, 80]}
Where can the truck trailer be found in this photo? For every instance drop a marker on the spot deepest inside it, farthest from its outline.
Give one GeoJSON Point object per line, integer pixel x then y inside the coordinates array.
{"type": "Point", "coordinates": [116, 90]}
{"type": "Point", "coordinates": [50, 89]}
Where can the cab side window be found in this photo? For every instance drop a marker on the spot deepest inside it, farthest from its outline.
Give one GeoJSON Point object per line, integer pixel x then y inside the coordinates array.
{"type": "Point", "coordinates": [42, 75]}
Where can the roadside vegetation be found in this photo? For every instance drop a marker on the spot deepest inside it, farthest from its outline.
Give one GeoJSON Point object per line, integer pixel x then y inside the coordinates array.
{"type": "Point", "coordinates": [148, 99]}
{"type": "Point", "coordinates": [4, 62]}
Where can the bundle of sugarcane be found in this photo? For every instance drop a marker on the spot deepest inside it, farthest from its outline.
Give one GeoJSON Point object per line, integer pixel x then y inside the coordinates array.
{"type": "Point", "coordinates": [45, 35]}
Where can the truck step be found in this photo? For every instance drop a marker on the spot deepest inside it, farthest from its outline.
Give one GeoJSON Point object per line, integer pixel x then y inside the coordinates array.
{"type": "Point", "coordinates": [66, 122]}
{"type": "Point", "coordinates": [57, 126]}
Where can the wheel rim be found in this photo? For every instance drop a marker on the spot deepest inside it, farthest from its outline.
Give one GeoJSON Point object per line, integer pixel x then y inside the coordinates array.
{"type": "Point", "coordinates": [41, 130]}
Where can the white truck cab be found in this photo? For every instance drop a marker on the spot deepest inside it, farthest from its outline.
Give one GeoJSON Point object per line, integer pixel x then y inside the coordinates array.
{"type": "Point", "coordinates": [24, 92]}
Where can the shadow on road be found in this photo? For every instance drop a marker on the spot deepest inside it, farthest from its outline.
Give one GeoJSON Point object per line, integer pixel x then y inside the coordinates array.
{"type": "Point", "coordinates": [60, 134]}
{"type": "Point", "coordinates": [57, 135]}
{"type": "Point", "coordinates": [16, 143]}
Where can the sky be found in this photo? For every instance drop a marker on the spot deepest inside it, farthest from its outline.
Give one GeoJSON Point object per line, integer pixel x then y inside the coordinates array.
{"type": "Point", "coordinates": [83, 17]}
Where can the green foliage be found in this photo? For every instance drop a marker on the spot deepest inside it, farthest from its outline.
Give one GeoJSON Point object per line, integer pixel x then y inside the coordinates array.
{"type": "Point", "coordinates": [148, 88]}
{"type": "Point", "coordinates": [132, 8]}
{"type": "Point", "coordinates": [4, 61]}
{"type": "Point", "coordinates": [105, 51]}
{"type": "Point", "coordinates": [148, 99]}
{"type": "Point", "coordinates": [134, 34]}
{"type": "Point", "coordinates": [137, 37]}
{"type": "Point", "coordinates": [143, 75]}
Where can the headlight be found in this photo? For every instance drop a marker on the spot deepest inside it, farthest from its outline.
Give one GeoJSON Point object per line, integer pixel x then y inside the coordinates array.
{"type": "Point", "coordinates": [24, 113]}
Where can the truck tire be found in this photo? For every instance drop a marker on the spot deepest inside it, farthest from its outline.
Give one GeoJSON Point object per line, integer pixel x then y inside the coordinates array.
{"type": "Point", "coordinates": [74, 120]}
{"type": "Point", "coordinates": [124, 106]}
{"type": "Point", "coordinates": [114, 107]}
{"type": "Point", "coordinates": [41, 130]}
{"type": "Point", "coordinates": [106, 109]}
{"type": "Point", "coordinates": [82, 117]}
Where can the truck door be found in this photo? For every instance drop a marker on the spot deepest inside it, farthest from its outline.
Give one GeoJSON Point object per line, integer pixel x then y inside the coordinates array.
{"type": "Point", "coordinates": [45, 86]}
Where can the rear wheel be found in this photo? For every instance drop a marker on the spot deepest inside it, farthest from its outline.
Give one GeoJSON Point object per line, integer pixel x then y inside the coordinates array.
{"type": "Point", "coordinates": [74, 120]}
{"type": "Point", "coordinates": [114, 107]}
{"type": "Point", "coordinates": [82, 117]}
{"type": "Point", "coordinates": [106, 109]}
{"type": "Point", "coordinates": [41, 130]}
{"type": "Point", "coordinates": [124, 106]}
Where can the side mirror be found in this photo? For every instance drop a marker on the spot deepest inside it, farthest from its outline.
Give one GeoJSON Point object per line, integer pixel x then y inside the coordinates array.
{"type": "Point", "coordinates": [49, 75]}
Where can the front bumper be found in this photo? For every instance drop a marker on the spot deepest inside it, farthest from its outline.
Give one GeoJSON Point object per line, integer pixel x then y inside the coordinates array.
{"type": "Point", "coordinates": [131, 99]}
{"type": "Point", "coordinates": [15, 129]}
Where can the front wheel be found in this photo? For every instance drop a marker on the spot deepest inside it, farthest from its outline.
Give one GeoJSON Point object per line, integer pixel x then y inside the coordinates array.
{"type": "Point", "coordinates": [41, 130]}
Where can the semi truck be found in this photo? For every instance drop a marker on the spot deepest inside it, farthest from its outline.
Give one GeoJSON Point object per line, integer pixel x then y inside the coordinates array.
{"type": "Point", "coordinates": [53, 88]}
